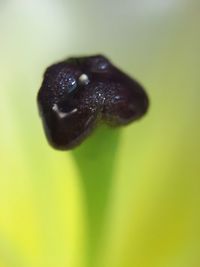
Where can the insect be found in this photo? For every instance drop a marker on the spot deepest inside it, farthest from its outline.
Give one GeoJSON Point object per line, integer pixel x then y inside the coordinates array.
{"type": "Point", "coordinates": [79, 93]}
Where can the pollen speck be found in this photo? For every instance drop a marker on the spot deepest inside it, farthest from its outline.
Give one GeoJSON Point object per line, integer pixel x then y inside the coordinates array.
{"type": "Point", "coordinates": [83, 79]}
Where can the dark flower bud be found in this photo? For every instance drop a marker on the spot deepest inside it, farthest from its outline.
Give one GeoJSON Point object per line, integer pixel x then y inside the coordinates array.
{"type": "Point", "coordinates": [78, 93]}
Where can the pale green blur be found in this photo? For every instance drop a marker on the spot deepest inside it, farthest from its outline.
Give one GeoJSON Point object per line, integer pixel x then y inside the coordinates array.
{"type": "Point", "coordinates": [154, 209]}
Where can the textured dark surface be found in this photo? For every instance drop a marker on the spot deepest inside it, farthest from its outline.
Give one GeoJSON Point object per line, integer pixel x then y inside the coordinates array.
{"type": "Point", "coordinates": [78, 93]}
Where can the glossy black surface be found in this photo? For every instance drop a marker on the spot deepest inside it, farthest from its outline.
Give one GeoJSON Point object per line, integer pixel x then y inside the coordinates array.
{"type": "Point", "coordinates": [79, 93]}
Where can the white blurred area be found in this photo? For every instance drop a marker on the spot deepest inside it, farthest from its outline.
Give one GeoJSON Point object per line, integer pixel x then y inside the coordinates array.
{"type": "Point", "coordinates": [34, 30]}
{"type": "Point", "coordinates": [36, 33]}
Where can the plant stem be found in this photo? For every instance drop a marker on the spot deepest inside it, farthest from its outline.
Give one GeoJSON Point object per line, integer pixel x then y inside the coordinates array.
{"type": "Point", "coordinates": [95, 159]}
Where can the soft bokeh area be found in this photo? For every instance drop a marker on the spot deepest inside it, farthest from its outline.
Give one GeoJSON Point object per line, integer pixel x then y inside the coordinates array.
{"type": "Point", "coordinates": [153, 216]}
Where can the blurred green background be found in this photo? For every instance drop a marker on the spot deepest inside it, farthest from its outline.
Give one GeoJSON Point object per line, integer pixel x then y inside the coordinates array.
{"type": "Point", "coordinates": [153, 217]}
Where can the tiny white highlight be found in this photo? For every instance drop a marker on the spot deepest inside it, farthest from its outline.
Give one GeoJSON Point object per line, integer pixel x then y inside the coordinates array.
{"type": "Point", "coordinates": [61, 114]}
{"type": "Point", "coordinates": [83, 79]}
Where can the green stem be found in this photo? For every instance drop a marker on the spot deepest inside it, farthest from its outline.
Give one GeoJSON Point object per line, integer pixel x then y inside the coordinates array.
{"type": "Point", "coordinates": [95, 159]}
